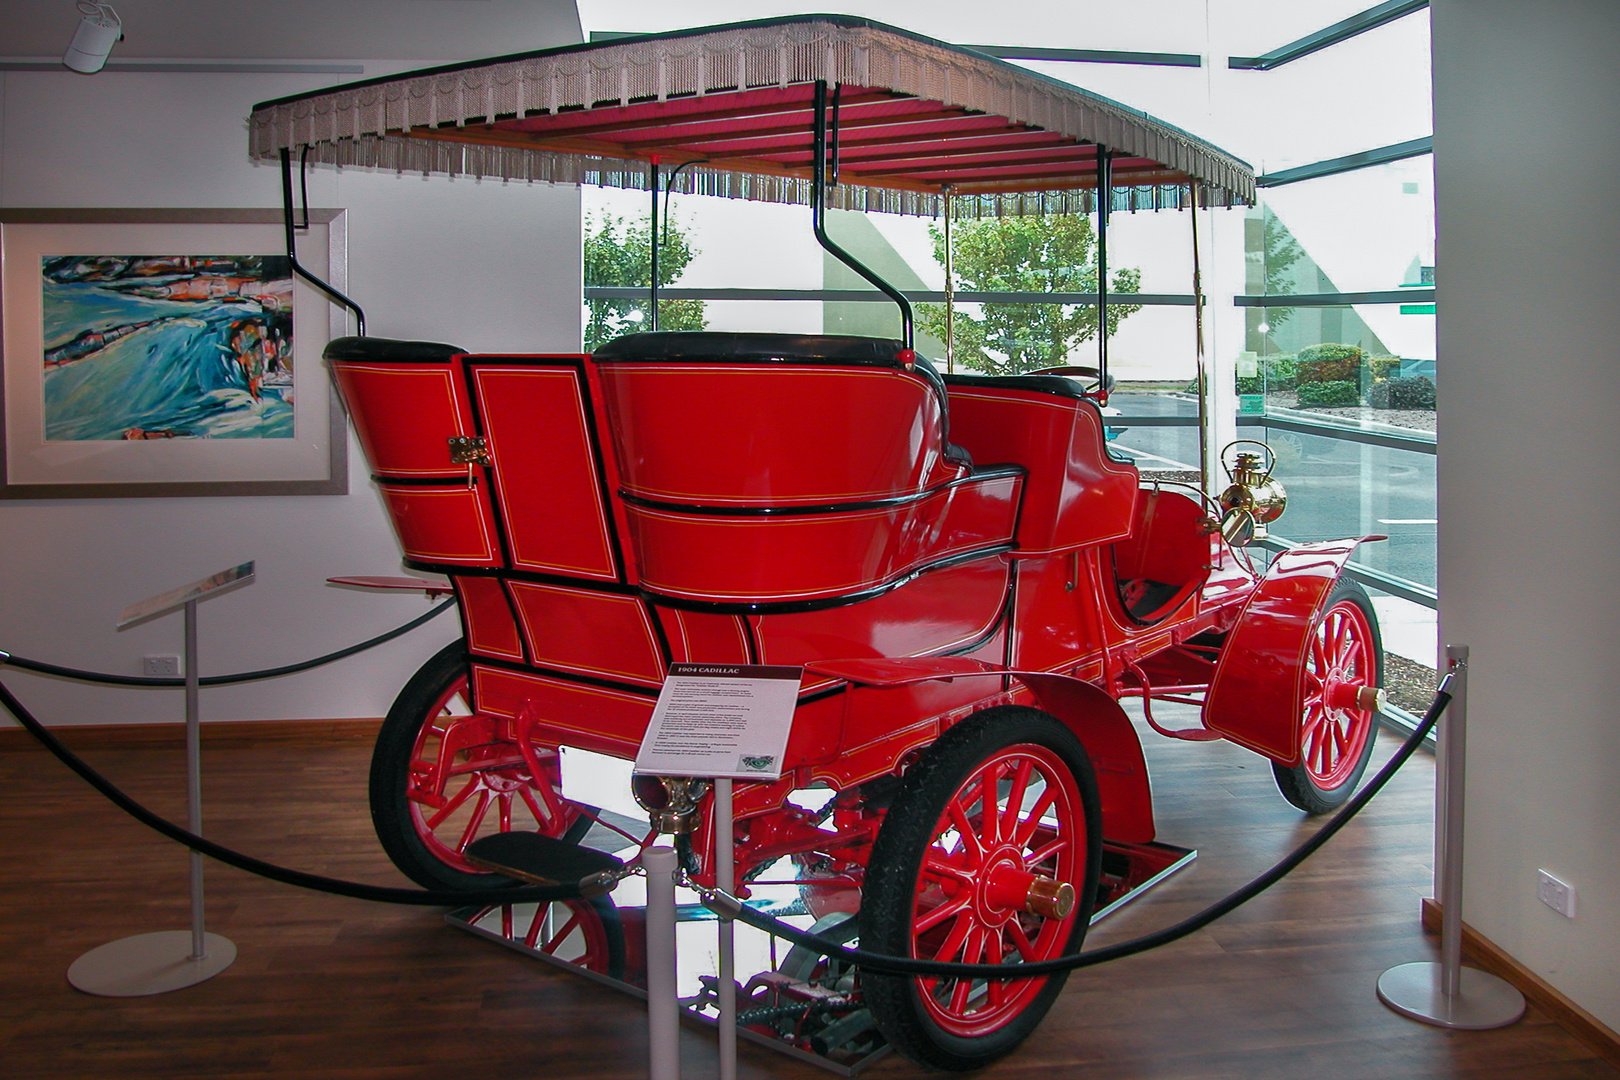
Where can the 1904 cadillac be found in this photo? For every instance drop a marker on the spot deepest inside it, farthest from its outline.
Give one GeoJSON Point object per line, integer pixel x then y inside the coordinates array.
{"type": "Point", "coordinates": [968, 578]}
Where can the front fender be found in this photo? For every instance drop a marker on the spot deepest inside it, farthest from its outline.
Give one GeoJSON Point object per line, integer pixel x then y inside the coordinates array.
{"type": "Point", "coordinates": [1256, 697]}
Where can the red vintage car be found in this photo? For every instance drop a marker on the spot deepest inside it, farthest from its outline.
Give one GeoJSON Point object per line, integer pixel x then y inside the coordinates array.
{"type": "Point", "coordinates": [969, 579]}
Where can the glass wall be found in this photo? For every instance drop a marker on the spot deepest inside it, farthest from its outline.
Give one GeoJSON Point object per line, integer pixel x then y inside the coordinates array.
{"type": "Point", "coordinates": [1319, 317]}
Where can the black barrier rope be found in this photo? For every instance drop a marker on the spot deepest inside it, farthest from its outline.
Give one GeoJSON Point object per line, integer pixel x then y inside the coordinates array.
{"type": "Point", "coordinates": [730, 907]}
{"type": "Point", "coordinates": [43, 668]}
{"type": "Point", "coordinates": [298, 878]}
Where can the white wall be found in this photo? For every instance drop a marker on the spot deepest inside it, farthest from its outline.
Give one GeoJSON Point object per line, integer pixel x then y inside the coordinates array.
{"type": "Point", "coordinates": [71, 565]}
{"type": "Point", "coordinates": [1526, 155]}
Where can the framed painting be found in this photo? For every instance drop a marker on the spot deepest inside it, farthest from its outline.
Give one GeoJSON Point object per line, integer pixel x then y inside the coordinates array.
{"type": "Point", "coordinates": [167, 353]}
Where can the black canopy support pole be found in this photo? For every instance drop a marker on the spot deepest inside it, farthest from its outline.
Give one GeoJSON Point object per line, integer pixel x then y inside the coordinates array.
{"type": "Point", "coordinates": [303, 185]}
{"type": "Point", "coordinates": [652, 246]}
{"type": "Point", "coordinates": [1105, 203]}
{"type": "Point", "coordinates": [950, 284]}
{"type": "Point", "coordinates": [292, 253]}
{"type": "Point", "coordinates": [818, 217]}
{"type": "Point", "coordinates": [832, 178]}
{"type": "Point", "coordinates": [669, 187]}
{"type": "Point", "coordinates": [1194, 190]}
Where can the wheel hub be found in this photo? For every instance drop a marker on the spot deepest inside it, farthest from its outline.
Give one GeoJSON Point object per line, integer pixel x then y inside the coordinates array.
{"type": "Point", "coordinates": [1349, 695]}
{"type": "Point", "coordinates": [1007, 889]}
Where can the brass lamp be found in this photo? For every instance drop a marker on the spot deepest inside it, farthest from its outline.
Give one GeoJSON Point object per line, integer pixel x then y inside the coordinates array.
{"type": "Point", "coordinates": [1254, 499]}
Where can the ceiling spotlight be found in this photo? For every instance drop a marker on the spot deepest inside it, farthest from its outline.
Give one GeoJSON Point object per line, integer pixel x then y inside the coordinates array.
{"type": "Point", "coordinates": [99, 30]}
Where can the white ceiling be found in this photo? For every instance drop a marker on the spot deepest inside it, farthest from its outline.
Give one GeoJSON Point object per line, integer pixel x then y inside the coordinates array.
{"type": "Point", "coordinates": [300, 29]}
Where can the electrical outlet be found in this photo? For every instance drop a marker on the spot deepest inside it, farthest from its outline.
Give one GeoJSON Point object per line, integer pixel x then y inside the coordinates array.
{"type": "Point", "coordinates": [161, 666]}
{"type": "Point", "coordinates": [1558, 895]}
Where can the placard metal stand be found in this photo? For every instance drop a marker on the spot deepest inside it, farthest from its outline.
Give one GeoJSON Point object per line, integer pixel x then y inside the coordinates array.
{"type": "Point", "coordinates": [719, 722]}
{"type": "Point", "coordinates": [1446, 994]}
{"type": "Point", "coordinates": [167, 960]}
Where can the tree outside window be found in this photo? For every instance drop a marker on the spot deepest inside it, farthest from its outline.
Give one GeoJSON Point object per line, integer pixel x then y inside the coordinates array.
{"type": "Point", "coordinates": [1045, 254]}
{"type": "Point", "coordinates": [617, 254]}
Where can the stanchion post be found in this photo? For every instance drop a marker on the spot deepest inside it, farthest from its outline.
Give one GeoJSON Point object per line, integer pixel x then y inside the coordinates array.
{"type": "Point", "coordinates": [170, 959]}
{"type": "Point", "coordinates": [1446, 994]}
{"type": "Point", "coordinates": [725, 879]}
{"type": "Point", "coordinates": [663, 1007]}
{"type": "Point", "coordinates": [1453, 752]}
{"type": "Point", "coordinates": [199, 941]}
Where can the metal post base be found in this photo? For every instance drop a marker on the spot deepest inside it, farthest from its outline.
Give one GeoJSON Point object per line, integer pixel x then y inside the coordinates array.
{"type": "Point", "coordinates": [150, 964]}
{"type": "Point", "coordinates": [1483, 1001]}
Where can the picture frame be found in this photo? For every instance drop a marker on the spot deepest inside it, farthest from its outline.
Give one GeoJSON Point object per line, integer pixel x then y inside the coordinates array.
{"type": "Point", "coordinates": [168, 352]}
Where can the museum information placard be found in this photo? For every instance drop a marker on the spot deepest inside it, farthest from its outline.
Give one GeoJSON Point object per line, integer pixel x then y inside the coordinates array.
{"type": "Point", "coordinates": [721, 720]}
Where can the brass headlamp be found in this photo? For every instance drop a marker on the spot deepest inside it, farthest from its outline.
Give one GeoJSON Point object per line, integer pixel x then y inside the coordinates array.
{"type": "Point", "coordinates": [1254, 499]}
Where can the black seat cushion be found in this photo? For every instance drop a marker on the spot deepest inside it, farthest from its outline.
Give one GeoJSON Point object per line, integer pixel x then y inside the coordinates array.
{"type": "Point", "coordinates": [373, 349]}
{"type": "Point", "coordinates": [1057, 385]}
{"type": "Point", "coordinates": [710, 346]}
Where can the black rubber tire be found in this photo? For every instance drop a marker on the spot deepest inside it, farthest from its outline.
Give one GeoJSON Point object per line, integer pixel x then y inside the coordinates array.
{"type": "Point", "coordinates": [1295, 782]}
{"type": "Point", "coordinates": [391, 810]}
{"type": "Point", "coordinates": [892, 881]}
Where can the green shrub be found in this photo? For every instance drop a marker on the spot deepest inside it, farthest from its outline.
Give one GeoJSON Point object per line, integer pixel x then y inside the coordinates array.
{"type": "Point", "coordinates": [1273, 373]}
{"type": "Point", "coordinates": [1328, 362]}
{"type": "Point", "coordinates": [1415, 392]}
{"type": "Point", "coordinates": [1382, 367]}
{"type": "Point", "coordinates": [1281, 371]}
{"type": "Point", "coordinates": [1328, 394]}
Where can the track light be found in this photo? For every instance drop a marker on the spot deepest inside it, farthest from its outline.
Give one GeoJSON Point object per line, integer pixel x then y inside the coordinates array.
{"type": "Point", "coordinates": [99, 30]}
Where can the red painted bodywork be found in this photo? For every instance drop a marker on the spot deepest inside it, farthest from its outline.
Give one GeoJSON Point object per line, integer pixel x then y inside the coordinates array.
{"type": "Point", "coordinates": [923, 550]}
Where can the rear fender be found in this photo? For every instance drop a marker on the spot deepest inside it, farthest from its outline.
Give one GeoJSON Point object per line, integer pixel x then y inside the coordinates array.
{"type": "Point", "coordinates": [1256, 698]}
{"type": "Point", "coordinates": [1095, 718]}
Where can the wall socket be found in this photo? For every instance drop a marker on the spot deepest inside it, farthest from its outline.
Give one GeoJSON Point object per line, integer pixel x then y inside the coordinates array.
{"type": "Point", "coordinates": [1558, 895]}
{"type": "Point", "coordinates": [160, 666]}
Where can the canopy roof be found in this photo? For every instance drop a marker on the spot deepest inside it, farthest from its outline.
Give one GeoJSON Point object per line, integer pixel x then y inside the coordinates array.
{"type": "Point", "coordinates": [732, 107]}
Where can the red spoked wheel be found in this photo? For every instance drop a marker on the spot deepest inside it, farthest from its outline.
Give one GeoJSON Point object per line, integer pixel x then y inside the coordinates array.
{"type": "Point", "coordinates": [587, 933]}
{"type": "Point", "coordinates": [989, 854]}
{"type": "Point", "coordinates": [1345, 657]}
{"type": "Point", "coordinates": [442, 776]}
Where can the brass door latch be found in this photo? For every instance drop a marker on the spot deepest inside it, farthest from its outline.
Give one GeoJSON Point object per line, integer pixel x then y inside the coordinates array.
{"type": "Point", "coordinates": [468, 450]}
{"type": "Point", "coordinates": [471, 451]}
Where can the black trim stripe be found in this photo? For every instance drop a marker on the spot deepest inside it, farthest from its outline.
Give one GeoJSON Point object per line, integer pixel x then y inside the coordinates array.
{"type": "Point", "coordinates": [517, 619]}
{"type": "Point", "coordinates": [824, 693]}
{"type": "Point", "coordinates": [452, 480]}
{"type": "Point", "coordinates": [596, 681]}
{"type": "Point", "coordinates": [979, 474]}
{"type": "Point", "coordinates": [593, 432]}
{"type": "Point", "coordinates": [616, 588]}
{"type": "Point", "coordinates": [660, 635]}
{"type": "Point", "coordinates": [792, 607]}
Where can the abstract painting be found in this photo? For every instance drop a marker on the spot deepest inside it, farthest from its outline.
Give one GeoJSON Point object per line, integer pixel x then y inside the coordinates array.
{"type": "Point", "coordinates": [167, 347]}
{"type": "Point", "coordinates": [169, 352]}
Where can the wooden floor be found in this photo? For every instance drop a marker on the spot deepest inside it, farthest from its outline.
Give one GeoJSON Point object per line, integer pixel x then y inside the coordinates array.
{"type": "Point", "coordinates": [333, 988]}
